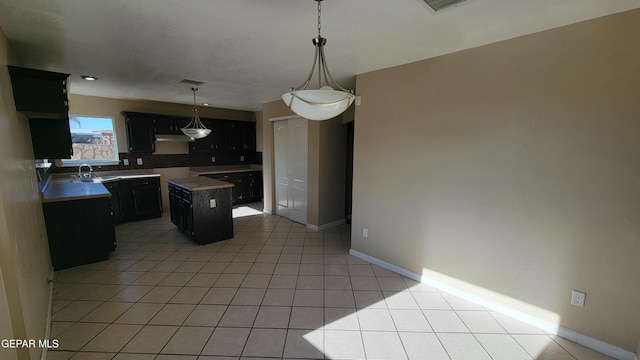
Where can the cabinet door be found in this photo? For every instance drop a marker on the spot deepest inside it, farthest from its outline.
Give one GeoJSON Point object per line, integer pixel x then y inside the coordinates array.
{"type": "Point", "coordinates": [163, 125]}
{"type": "Point", "coordinates": [79, 231]}
{"type": "Point", "coordinates": [116, 207]}
{"type": "Point", "coordinates": [140, 132]}
{"type": "Point", "coordinates": [146, 198]}
{"type": "Point", "coordinates": [255, 188]}
{"type": "Point", "coordinates": [169, 125]}
{"type": "Point", "coordinates": [174, 203]}
{"type": "Point", "coordinates": [51, 138]}
{"type": "Point", "coordinates": [206, 143]}
{"type": "Point", "coordinates": [39, 93]}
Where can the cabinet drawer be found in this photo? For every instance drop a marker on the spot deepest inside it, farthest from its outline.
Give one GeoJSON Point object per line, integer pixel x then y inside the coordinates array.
{"type": "Point", "coordinates": [144, 182]}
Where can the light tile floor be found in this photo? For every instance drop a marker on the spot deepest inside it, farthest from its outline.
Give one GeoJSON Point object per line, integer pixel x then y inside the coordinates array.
{"type": "Point", "coordinates": [276, 290]}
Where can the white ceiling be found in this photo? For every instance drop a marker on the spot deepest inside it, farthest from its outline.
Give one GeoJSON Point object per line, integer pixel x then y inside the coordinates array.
{"type": "Point", "coordinates": [248, 52]}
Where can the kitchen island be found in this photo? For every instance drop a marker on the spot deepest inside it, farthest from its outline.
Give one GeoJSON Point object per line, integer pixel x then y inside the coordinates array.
{"type": "Point", "coordinates": [202, 208]}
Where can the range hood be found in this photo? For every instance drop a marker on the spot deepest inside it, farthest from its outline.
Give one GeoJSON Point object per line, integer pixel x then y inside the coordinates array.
{"type": "Point", "coordinates": [170, 137]}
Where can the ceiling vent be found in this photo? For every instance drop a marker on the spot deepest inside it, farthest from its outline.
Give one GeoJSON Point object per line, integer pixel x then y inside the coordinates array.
{"type": "Point", "coordinates": [438, 5]}
{"type": "Point", "coordinates": [191, 82]}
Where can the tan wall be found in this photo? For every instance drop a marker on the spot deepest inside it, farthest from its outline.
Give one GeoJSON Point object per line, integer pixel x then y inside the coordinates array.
{"type": "Point", "coordinates": [25, 265]}
{"type": "Point", "coordinates": [98, 106]}
{"type": "Point", "coordinates": [332, 167]}
{"type": "Point", "coordinates": [513, 167]}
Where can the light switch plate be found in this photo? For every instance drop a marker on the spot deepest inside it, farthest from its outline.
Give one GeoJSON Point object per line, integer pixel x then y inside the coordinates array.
{"type": "Point", "coordinates": [241, 157]}
{"type": "Point", "coordinates": [125, 162]}
{"type": "Point", "coordinates": [212, 203]}
{"type": "Point", "coordinates": [213, 159]}
{"type": "Point", "coordinates": [139, 161]}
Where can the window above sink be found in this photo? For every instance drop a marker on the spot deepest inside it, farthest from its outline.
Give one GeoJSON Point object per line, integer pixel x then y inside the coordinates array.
{"type": "Point", "coordinates": [93, 141]}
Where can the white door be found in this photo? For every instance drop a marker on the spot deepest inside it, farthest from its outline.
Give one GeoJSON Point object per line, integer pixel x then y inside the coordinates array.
{"type": "Point", "coordinates": [291, 154]}
{"type": "Point", "coordinates": [281, 150]}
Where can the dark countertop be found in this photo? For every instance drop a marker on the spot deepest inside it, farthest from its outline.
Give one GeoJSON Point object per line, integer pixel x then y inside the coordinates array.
{"type": "Point", "coordinates": [199, 183]}
{"type": "Point", "coordinates": [222, 169]}
{"type": "Point", "coordinates": [63, 187]}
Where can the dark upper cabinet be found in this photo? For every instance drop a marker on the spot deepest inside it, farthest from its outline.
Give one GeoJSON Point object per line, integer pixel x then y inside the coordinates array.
{"type": "Point", "coordinates": [39, 93]}
{"type": "Point", "coordinates": [140, 132]}
{"type": "Point", "coordinates": [50, 138]}
{"type": "Point", "coordinates": [42, 97]}
{"type": "Point", "coordinates": [170, 125]}
{"type": "Point", "coordinates": [242, 136]}
{"type": "Point", "coordinates": [218, 140]}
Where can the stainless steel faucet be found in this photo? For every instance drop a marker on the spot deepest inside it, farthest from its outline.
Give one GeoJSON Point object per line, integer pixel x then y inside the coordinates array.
{"type": "Point", "coordinates": [82, 175]}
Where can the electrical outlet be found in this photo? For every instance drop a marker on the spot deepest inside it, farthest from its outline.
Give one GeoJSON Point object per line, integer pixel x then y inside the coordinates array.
{"type": "Point", "coordinates": [241, 157]}
{"type": "Point", "coordinates": [578, 298]}
{"type": "Point", "coordinates": [212, 203]}
{"type": "Point", "coordinates": [365, 232]}
{"type": "Point", "coordinates": [139, 161]}
{"type": "Point", "coordinates": [213, 159]}
{"type": "Point", "coordinates": [125, 162]}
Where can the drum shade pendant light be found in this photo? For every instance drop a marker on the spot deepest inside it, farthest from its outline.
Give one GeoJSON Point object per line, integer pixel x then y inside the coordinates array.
{"type": "Point", "coordinates": [326, 102]}
{"type": "Point", "coordinates": [195, 128]}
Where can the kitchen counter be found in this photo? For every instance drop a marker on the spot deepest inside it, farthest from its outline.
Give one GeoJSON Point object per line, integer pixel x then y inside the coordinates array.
{"type": "Point", "coordinates": [63, 187]}
{"type": "Point", "coordinates": [199, 183]}
{"type": "Point", "coordinates": [223, 169]}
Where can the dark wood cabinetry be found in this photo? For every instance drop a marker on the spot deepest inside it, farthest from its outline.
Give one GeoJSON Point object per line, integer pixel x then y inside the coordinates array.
{"type": "Point", "coordinates": [147, 201]}
{"type": "Point", "coordinates": [247, 185]}
{"type": "Point", "coordinates": [79, 231]}
{"type": "Point", "coordinates": [39, 93]}
{"type": "Point", "coordinates": [51, 138]}
{"type": "Point", "coordinates": [169, 125]}
{"type": "Point", "coordinates": [218, 140]}
{"type": "Point", "coordinates": [204, 213]}
{"type": "Point", "coordinates": [135, 199]}
{"type": "Point", "coordinates": [42, 97]}
{"type": "Point", "coordinates": [140, 132]}
{"type": "Point", "coordinates": [232, 139]}
{"type": "Point", "coordinates": [242, 136]}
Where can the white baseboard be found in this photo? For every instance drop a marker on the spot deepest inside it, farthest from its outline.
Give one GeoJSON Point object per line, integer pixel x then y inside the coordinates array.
{"type": "Point", "coordinates": [266, 211]}
{"type": "Point", "coordinates": [325, 226]}
{"type": "Point", "coordinates": [595, 344]}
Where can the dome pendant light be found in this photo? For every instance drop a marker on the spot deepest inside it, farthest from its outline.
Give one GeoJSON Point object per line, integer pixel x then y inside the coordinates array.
{"type": "Point", "coordinates": [195, 128]}
{"type": "Point", "coordinates": [326, 102]}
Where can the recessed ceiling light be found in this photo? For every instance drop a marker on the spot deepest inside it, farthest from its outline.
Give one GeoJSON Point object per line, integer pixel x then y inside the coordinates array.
{"type": "Point", "coordinates": [89, 78]}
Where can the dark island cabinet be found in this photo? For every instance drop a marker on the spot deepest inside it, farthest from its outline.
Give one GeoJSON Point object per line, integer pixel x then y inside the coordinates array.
{"type": "Point", "coordinates": [79, 231]}
{"type": "Point", "coordinates": [204, 214]}
{"type": "Point", "coordinates": [140, 132]}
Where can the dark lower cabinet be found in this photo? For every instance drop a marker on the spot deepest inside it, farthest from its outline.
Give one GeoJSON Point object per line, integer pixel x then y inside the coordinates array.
{"type": "Point", "coordinates": [135, 199]}
{"type": "Point", "coordinates": [79, 231]}
{"type": "Point", "coordinates": [247, 185]}
{"type": "Point", "coordinates": [116, 201]}
{"type": "Point", "coordinates": [204, 215]}
{"type": "Point", "coordinates": [147, 201]}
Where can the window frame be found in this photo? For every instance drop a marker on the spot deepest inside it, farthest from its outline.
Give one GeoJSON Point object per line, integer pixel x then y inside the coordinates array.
{"type": "Point", "coordinates": [94, 162]}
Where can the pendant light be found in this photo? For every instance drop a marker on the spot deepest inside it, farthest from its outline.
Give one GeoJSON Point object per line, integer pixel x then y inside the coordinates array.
{"type": "Point", "coordinates": [195, 128]}
{"type": "Point", "coordinates": [326, 102]}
